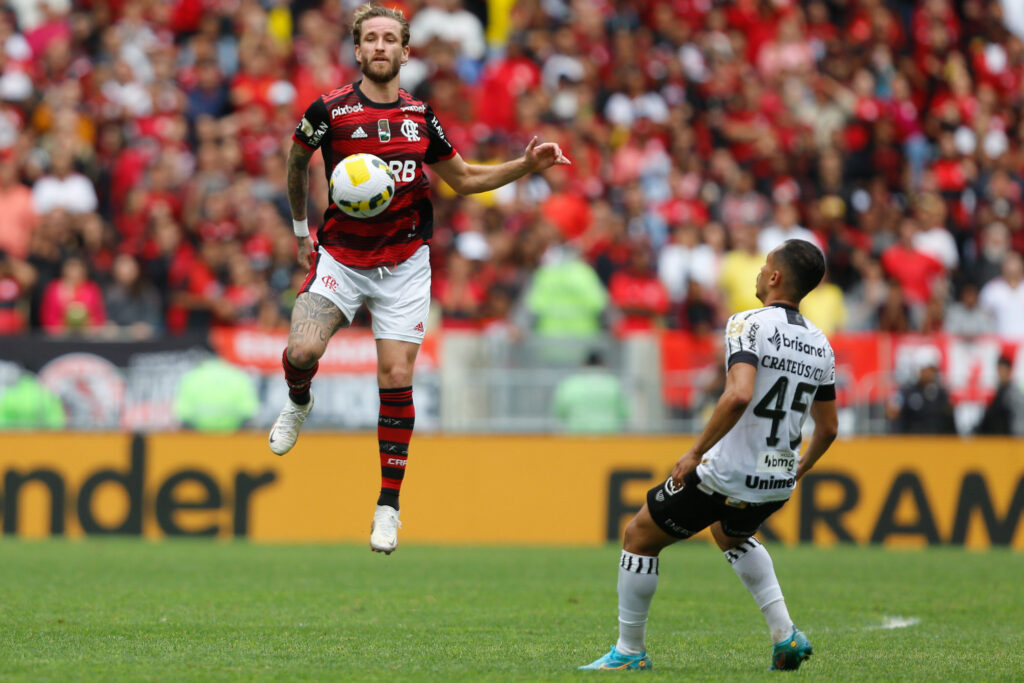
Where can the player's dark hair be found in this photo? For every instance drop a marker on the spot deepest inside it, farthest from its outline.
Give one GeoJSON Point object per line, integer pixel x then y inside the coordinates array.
{"type": "Point", "coordinates": [803, 263]}
{"type": "Point", "coordinates": [369, 11]}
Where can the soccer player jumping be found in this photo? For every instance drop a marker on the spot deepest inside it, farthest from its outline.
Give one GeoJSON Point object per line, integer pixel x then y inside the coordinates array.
{"type": "Point", "coordinates": [744, 465]}
{"type": "Point", "coordinates": [381, 261]}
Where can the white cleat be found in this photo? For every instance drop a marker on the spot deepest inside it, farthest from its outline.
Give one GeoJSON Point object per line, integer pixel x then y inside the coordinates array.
{"type": "Point", "coordinates": [384, 530]}
{"type": "Point", "coordinates": [285, 431]}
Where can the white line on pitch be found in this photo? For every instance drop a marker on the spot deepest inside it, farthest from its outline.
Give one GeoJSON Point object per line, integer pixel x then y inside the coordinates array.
{"type": "Point", "coordinates": [898, 622]}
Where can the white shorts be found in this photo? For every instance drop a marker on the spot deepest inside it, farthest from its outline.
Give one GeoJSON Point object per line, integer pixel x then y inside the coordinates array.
{"type": "Point", "coordinates": [398, 299]}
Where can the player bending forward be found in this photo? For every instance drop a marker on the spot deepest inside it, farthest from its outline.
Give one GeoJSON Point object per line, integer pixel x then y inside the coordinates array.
{"type": "Point", "coordinates": [744, 465]}
{"type": "Point", "coordinates": [382, 261]}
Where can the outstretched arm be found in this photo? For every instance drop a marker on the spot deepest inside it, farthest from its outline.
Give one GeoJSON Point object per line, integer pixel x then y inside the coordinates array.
{"type": "Point", "coordinates": [298, 194]}
{"type": "Point", "coordinates": [467, 178]}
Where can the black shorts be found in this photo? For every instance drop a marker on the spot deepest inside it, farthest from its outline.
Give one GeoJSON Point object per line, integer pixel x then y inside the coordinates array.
{"type": "Point", "coordinates": [682, 512]}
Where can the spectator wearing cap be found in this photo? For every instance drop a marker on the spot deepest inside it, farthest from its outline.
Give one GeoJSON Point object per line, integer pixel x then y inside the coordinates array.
{"type": "Point", "coordinates": [1003, 298]}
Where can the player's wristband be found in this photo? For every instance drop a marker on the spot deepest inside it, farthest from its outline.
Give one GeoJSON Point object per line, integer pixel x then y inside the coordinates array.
{"type": "Point", "coordinates": [301, 228]}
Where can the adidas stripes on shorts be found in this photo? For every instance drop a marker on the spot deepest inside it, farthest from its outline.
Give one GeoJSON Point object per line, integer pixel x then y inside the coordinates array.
{"type": "Point", "coordinates": [398, 298]}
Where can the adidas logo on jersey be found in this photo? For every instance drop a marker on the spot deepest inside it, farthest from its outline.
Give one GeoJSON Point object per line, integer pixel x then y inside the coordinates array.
{"type": "Point", "coordinates": [358, 133]}
{"type": "Point", "coordinates": [418, 328]}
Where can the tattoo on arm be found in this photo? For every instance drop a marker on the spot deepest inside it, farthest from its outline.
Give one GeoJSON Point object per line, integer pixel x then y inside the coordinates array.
{"type": "Point", "coordinates": [298, 180]}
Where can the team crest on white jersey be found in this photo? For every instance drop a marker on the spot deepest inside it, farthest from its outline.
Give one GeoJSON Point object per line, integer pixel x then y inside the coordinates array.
{"type": "Point", "coordinates": [735, 328]}
{"type": "Point", "coordinates": [411, 130]}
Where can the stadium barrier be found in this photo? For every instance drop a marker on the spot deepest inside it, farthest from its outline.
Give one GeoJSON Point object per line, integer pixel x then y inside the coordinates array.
{"type": "Point", "coordinates": [468, 382]}
{"type": "Point", "coordinates": [479, 489]}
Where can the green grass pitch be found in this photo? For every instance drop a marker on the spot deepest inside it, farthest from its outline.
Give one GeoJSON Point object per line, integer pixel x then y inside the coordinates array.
{"type": "Point", "coordinates": [170, 611]}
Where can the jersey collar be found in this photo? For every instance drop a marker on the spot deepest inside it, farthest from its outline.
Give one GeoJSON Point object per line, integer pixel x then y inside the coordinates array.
{"type": "Point", "coordinates": [788, 307]}
{"type": "Point", "coordinates": [370, 103]}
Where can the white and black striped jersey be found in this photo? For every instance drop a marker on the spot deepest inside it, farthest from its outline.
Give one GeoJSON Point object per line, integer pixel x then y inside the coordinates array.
{"type": "Point", "coordinates": [756, 460]}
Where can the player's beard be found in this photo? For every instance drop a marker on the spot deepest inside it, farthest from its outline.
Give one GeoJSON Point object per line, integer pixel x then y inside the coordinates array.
{"type": "Point", "coordinates": [379, 72]}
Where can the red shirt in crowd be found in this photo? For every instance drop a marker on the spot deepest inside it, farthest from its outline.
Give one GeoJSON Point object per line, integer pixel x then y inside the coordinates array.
{"type": "Point", "coordinates": [66, 307]}
{"type": "Point", "coordinates": [642, 298]}
{"type": "Point", "coordinates": [501, 84]}
{"type": "Point", "coordinates": [12, 321]}
{"type": "Point", "coordinates": [569, 212]}
{"type": "Point", "coordinates": [914, 270]}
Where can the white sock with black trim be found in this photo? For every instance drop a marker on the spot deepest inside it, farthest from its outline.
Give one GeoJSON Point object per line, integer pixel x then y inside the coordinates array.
{"type": "Point", "coordinates": [638, 579]}
{"type": "Point", "coordinates": [752, 563]}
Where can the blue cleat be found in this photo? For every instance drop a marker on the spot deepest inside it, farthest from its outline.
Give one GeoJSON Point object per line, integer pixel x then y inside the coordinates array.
{"type": "Point", "coordinates": [614, 661]}
{"type": "Point", "coordinates": [791, 652]}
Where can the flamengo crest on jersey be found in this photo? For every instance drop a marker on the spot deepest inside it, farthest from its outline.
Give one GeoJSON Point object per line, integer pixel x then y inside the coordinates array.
{"type": "Point", "coordinates": [405, 134]}
{"type": "Point", "coordinates": [756, 460]}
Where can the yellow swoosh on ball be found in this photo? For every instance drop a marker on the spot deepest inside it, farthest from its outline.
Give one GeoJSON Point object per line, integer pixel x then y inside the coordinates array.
{"type": "Point", "coordinates": [358, 172]}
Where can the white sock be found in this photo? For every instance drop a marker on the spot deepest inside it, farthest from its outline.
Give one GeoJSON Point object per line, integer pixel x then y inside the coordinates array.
{"type": "Point", "coordinates": [638, 579]}
{"type": "Point", "coordinates": [752, 563]}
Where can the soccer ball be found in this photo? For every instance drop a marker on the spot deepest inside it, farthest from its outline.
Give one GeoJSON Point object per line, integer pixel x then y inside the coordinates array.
{"type": "Point", "coordinates": [362, 185]}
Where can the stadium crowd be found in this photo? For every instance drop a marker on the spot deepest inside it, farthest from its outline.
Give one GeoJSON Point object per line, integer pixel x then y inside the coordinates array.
{"type": "Point", "coordinates": [142, 148]}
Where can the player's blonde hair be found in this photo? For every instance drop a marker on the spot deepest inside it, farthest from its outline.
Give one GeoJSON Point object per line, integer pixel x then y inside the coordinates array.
{"type": "Point", "coordinates": [369, 11]}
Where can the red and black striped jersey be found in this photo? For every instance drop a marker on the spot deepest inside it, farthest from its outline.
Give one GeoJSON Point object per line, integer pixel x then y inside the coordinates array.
{"type": "Point", "coordinates": [405, 134]}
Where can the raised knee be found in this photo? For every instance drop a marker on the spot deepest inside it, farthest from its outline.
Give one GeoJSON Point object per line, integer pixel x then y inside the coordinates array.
{"type": "Point", "coordinates": [303, 355]}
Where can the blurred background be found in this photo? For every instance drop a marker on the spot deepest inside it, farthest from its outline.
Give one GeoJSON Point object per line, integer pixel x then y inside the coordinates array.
{"type": "Point", "coordinates": [147, 262]}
